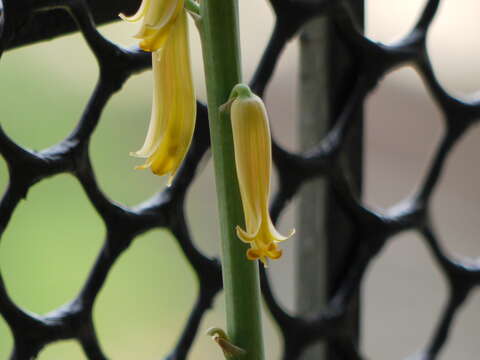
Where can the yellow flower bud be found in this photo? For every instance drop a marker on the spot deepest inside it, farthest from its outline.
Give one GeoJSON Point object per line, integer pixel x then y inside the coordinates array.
{"type": "Point", "coordinates": [253, 159]}
{"type": "Point", "coordinates": [164, 32]}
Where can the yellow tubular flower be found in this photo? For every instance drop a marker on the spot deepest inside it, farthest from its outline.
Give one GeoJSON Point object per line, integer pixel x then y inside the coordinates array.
{"type": "Point", "coordinates": [253, 159]}
{"type": "Point", "coordinates": [164, 32]}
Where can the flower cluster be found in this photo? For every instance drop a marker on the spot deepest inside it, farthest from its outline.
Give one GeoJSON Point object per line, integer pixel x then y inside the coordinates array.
{"type": "Point", "coordinates": [164, 32]}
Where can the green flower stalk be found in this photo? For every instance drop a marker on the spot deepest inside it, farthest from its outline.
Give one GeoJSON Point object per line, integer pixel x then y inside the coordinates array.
{"type": "Point", "coordinates": [218, 24]}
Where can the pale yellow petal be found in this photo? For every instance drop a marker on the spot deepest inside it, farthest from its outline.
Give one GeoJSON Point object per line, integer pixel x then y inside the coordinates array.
{"type": "Point", "coordinates": [139, 14]}
{"type": "Point", "coordinates": [174, 107]}
{"type": "Point", "coordinates": [253, 159]}
{"type": "Point", "coordinates": [162, 12]}
{"type": "Point", "coordinates": [159, 17]}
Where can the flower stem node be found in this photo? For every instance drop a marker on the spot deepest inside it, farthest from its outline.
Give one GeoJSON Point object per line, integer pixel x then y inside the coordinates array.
{"type": "Point", "coordinates": [221, 338]}
{"type": "Point", "coordinates": [253, 160]}
{"type": "Point", "coordinates": [164, 32]}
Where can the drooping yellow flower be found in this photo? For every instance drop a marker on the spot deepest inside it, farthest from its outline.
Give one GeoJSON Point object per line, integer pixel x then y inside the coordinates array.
{"type": "Point", "coordinates": [253, 159]}
{"type": "Point", "coordinates": [164, 32]}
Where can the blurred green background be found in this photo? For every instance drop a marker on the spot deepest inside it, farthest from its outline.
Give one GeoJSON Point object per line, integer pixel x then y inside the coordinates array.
{"type": "Point", "coordinates": [54, 236]}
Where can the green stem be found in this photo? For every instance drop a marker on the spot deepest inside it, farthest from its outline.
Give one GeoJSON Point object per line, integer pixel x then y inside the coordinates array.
{"type": "Point", "coordinates": [192, 6]}
{"type": "Point", "coordinates": [218, 26]}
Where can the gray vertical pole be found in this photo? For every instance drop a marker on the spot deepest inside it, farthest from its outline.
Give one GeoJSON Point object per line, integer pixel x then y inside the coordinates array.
{"type": "Point", "coordinates": [325, 235]}
{"type": "Point", "coordinates": [314, 109]}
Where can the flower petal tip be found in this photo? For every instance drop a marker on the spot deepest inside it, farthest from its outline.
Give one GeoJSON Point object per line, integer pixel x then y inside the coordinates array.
{"type": "Point", "coordinates": [243, 235]}
{"type": "Point", "coordinates": [135, 154]}
{"type": "Point", "coordinates": [170, 180]}
{"type": "Point", "coordinates": [125, 17]}
{"type": "Point", "coordinates": [290, 234]}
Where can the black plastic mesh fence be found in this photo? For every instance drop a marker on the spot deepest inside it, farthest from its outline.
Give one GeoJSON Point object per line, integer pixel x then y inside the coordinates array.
{"type": "Point", "coordinates": [28, 21]}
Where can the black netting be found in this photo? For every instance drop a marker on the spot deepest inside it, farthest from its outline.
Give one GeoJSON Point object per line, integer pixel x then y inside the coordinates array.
{"type": "Point", "coordinates": [27, 21]}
